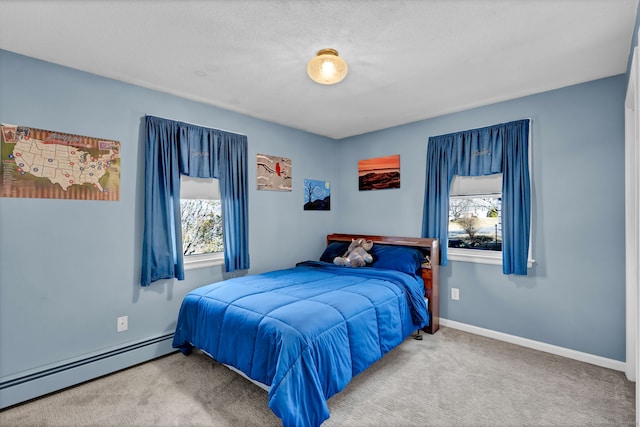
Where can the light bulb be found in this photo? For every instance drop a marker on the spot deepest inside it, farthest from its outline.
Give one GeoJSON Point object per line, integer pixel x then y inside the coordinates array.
{"type": "Point", "coordinates": [327, 67]}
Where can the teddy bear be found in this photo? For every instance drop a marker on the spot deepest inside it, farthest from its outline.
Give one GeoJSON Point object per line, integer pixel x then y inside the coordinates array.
{"type": "Point", "coordinates": [356, 255]}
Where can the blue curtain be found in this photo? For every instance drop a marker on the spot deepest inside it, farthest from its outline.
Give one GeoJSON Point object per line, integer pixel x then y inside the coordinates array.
{"type": "Point", "coordinates": [174, 148]}
{"type": "Point", "coordinates": [502, 148]}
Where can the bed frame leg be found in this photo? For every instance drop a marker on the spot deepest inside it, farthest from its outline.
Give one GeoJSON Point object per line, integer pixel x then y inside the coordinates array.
{"type": "Point", "coordinates": [417, 335]}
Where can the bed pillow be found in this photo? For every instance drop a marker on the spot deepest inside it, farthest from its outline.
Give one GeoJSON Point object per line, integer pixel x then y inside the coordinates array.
{"type": "Point", "coordinates": [333, 250]}
{"type": "Point", "coordinates": [401, 258]}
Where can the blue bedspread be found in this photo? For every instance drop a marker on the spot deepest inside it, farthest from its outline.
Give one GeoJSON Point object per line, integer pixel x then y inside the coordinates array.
{"type": "Point", "coordinates": [304, 331]}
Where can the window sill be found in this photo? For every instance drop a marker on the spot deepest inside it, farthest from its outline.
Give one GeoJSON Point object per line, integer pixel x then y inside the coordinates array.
{"type": "Point", "coordinates": [192, 262]}
{"type": "Point", "coordinates": [479, 257]}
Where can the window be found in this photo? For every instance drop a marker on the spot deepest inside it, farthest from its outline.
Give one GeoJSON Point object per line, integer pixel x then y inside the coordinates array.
{"type": "Point", "coordinates": [475, 219]}
{"type": "Point", "coordinates": [201, 216]}
{"type": "Point", "coordinates": [483, 152]}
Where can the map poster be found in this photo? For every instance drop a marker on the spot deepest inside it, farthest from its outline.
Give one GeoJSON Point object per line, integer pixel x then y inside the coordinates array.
{"type": "Point", "coordinates": [40, 163]}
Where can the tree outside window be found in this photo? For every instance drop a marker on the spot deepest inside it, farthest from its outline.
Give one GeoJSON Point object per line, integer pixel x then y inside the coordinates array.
{"type": "Point", "coordinates": [201, 226]}
{"type": "Point", "coordinates": [475, 222]}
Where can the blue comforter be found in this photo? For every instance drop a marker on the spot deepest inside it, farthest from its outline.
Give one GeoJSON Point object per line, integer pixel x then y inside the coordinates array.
{"type": "Point", "coordinates": [304, 331]}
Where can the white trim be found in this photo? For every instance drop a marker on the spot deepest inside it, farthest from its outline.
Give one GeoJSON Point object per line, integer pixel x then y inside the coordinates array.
{"type": "Point", "coordinates": [636, 301]}
{"type": "Point", "coordinates": [631, 218]}
{"type": "Point", "coordinates": [537, 345]}
{"type": "Point", "coordinates": [632, 231]}
{"type": "Point", "coordinates": [480, 256]}
{"type": "Point", "coordinates": [475, 255]}
{"type": "Point", "coordinates": [191, 262]}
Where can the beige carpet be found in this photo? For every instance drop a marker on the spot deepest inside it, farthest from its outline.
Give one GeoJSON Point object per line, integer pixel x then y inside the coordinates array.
{"type": "Point", "coordinates": [452, 378]}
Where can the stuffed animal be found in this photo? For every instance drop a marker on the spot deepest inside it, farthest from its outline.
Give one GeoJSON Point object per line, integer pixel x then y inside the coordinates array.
{"type": "Point", "coordinates": [356, 255]}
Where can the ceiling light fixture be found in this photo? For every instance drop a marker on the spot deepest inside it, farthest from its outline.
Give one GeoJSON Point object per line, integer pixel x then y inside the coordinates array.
{"type": "Point", "coordinates": [327, 67]}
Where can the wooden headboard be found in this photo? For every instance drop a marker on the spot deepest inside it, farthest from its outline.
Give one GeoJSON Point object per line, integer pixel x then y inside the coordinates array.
{"type": "Point", "coordinates": [430, 273]}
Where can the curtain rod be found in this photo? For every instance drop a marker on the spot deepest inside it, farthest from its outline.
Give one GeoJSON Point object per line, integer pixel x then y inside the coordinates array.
{"type": "Point", "coordinates": [488, 126]}
{"type": "Point", "coordinates": [501, 123]}
{"type": "Point", "coordinates": [194, 124]}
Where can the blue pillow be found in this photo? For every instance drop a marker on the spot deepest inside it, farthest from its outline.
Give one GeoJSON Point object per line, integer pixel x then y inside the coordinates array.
{"type": "Point", "coordinates": [333, 250]}
{"type": "Point", "coordinates": [401, 258]}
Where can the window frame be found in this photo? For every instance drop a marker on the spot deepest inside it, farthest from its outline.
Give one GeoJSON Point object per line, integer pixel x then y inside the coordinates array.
{"type": "Point", "coordinates": [195, 189]}
{"type": "Point", "coordinates": [192, 262]}
{"type": "Point", "coordinates": [480, 256]}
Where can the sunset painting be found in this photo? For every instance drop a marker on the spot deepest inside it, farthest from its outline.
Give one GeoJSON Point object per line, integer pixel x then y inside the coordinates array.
{"type": "Point", "coordinates": [379, 173]}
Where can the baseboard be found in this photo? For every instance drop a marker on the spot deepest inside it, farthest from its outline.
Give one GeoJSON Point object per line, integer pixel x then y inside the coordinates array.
{"type": "Point", "coordinates": [39, 383]}
{"type": "Point", "coordinates": [537, 345]}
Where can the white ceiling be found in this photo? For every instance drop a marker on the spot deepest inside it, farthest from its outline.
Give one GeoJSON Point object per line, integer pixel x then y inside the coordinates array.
{"type": "Point", "coordinates": [408, 59]}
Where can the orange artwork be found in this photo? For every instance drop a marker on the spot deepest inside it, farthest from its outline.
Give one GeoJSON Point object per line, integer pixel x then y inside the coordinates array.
{"type": "Point", "coordinates": [379, 173]}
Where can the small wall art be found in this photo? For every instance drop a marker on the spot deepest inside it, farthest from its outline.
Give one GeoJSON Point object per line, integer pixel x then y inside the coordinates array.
{"type": "Point", "coordinates": [379, 173]}
{"type": "Point", "coordinates": [273, 173]}
{"type": "Point", "coordinates": [317, 195]}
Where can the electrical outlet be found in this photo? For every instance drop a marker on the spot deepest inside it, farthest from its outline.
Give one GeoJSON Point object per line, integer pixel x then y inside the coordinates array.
{"type": "Point", "coordinates": [455, 294]}
{"type": "Point", "coordinates": [123, 323]}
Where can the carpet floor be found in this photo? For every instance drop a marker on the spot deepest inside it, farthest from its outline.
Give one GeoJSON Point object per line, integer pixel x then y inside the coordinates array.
{"type": "Point", "coordinates": [452, 378]}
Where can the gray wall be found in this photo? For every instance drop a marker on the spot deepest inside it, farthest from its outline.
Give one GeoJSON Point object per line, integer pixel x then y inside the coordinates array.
{"type": "Point", "coordinates": [69, 268]}
{"type": "Point", "coordinates": [574, 294]}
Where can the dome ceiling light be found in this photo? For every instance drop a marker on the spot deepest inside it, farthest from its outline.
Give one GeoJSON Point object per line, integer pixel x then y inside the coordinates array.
{"type": "Point", "coordinates": [327, 67]}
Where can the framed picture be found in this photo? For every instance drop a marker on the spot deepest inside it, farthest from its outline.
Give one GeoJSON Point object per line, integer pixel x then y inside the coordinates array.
{"type": "Point", "coordinates": [39, 163]}
{"type": "Point", "coordinates": [379, 173]}
{"type": "Point", "coordinates": [317, 195]}
{"type": "Point", "coordinates": [273, 173]}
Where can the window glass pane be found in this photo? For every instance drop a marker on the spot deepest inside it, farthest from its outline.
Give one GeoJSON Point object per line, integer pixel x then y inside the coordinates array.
{"type": "Point", "coordinates": [201, 226]}
{"type": "Point", "coordinates": [475, 222]}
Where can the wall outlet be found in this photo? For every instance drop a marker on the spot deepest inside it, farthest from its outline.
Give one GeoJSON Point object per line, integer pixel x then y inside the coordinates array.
{"type": "Point", "coordinates": [455, 294]}
{"type": "Point", "coordinates": [123, 323]}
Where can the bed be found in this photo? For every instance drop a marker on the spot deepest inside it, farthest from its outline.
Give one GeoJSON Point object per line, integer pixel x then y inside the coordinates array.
{"type": "Point", "coordinates": [306, 331]}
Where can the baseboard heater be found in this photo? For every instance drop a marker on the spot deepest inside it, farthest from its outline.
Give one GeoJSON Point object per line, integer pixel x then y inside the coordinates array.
{"type": "Point", "coordinates": [36, 384]}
